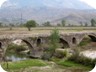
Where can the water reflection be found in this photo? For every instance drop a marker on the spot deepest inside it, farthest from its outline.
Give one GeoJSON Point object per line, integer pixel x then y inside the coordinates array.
{"type": "Point", "coordinates": [10, 56]}
{"type": "Point", "coordinates": [17, 52]}
{"type": "Point", "coordinates": [14, 58]}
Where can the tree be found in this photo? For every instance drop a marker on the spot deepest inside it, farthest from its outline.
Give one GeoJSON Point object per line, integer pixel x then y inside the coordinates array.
{"type": "Point", "coordinates": [11, 25]}
{"type": "Point", "coordinates": [81, 23]}
{"type": "Point", "coordinates": [59, 25]}
{"type": "Point", "coordinates": [93, 22]}
{"type": "Point", "coordinates": [30, 23]}
{"type": "Point", "coordinates": [47, 24]}
{"type": "Point", "coordinates": [53, 45]}
{"type": "Point", "coordinates": [63, 23]}
{"type": "Point", "coordinates": [86, 24]}
{"type": "Point", "coordinates": [54, 40]}
{"type": "Point", "coordinates": [0, 24]}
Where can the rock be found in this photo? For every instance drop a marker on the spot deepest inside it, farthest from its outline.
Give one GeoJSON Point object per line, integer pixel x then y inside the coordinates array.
{"type": "Point", "coordinates": [89, 54]}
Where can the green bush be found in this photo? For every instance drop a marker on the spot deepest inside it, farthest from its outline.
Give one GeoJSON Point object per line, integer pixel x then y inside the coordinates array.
{"type": "Point", "coordinates": [82, 60]}
{"type": "Point", "coordinates": [84, 42]}
{"type": "Point", "coordinates": [53, 45]}
{"type": "Point", "coordinates": [46, 56]}
{"type": "Point", "coordinates": [60, 53]}
{"type": "Point", "coordinates": [15, 48]}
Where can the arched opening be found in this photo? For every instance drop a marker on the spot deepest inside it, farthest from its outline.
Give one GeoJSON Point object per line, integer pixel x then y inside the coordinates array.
{"type": "Point", "coordinates": [88, 42]}
{"type": "Point", "coordinates": [18, 50]}
{"type": "Point", "coordinates": [0, 45]}
{"type": "Point", "coordinates": [63, 43]}
{"type": "Point", "coordinates": [85, 41]}
{"type": "Point", "coordinates": [38, 41]}
{"type": "Point", "coordinates": [28, 44]}
{"type": "Point", "coordinates": [74, 40]}
{"type": "Point", "coordinates": [93, 38]}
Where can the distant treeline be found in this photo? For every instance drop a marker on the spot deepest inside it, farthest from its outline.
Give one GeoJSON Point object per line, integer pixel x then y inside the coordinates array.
{"type": "Point", "coordinates": [63, 23]}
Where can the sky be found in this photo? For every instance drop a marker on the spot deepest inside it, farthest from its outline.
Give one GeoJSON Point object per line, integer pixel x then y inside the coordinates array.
{"type": "Point", "coordinates": [2, 1]}
{"type": "Point", "coordinates": [92, 3]}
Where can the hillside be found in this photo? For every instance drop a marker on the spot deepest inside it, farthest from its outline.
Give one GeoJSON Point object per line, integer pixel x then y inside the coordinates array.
{"type": "Point", "coordinates": [74, 12]}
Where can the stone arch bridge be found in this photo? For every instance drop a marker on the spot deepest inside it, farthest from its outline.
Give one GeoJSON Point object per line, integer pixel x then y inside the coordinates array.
{"type": "Point", "coordinates": [33, 41]}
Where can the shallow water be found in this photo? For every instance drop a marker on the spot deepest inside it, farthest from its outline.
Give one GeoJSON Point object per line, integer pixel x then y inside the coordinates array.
{"type": "Point", "coordinates": [14, 58]}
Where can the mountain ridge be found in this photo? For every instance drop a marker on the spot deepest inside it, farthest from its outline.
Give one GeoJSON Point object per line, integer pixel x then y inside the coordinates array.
{"type": "Point", "coordinates": [73, 11]}
{"type": "Point", "coordinates": [42, 15]}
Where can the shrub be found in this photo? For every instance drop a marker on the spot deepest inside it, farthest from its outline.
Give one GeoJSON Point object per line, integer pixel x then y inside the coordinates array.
{"type": "Point", "coordinates": [76, 57]}
{"type": "Point", "coordinates": [15, 48]}
{"type": "Point", "coordinates": [60, 53]}
{"type": "Point", "coordinates": [53, 45]}
{"type": "Point", "coordinates": [84, 42]}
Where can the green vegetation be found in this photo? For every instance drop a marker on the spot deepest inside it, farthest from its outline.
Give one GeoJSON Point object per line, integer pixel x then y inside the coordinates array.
{"type": "Point", "coordinates": [77, 58]}
{"type": "Point", "coordinates": [93, 22]}
{"type": "Point", "coordinates": [60, 53]}
{"type": "Point", "coordinates": [47, 24]}
{"type": "Point", "coordinates": [54, 40]}
{"type": "Point", "coordinates": [0, 24]}
{"type": "Point", "coordinates": [15, 48]}
{"type": "Point", "coordinates": [17, 51]}
{"type": "Point", "coordinates": [84, 42]}
{"type": "Point", "coordinates": [23, 64]}
{"type": "Point", "coordinates": [11, 26]}
{"type": "Point", "coordinates": [30, 23]}
{"type": "Point", "coordinates": [63, 22]}
{"type": "Point", "coordinates": [86, 24]}
{"type": "Point", "coordinates": [67, 63]}
{"type": "Point", "coordinates": [83, 60]}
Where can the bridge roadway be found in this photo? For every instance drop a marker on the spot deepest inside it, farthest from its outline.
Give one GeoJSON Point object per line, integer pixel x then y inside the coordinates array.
{"type": "Point", "coordinates": [24, 35]}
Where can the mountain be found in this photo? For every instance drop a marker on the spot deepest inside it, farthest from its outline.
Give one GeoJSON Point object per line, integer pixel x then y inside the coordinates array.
{"type": "Point", "coordinates": [73, 11]}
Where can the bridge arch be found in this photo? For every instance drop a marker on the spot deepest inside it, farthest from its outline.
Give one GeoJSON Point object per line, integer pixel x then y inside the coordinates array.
{"type": "Point", "coordinates": [88, 38]}
{"type": "Point", "coordinates": [63, 43]}
{"type": "Point", "coordinates": [38, 41]}
{"type": "Point", "coordinates": [0, 45]}
{"type": "Point", "coordinates": [19, 42]}
{"type": "Point", "coordinates": [74, 40]}
{"type": "Point", "coordinates": [28, 43]}
{"type": "Point", "coordinates": [93, 38]}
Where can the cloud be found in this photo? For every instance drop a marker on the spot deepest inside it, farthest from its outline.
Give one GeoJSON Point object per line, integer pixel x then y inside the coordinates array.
{"type": "Point", "coordinates": [92, 3]}
{"type": "Point", "coordinates": [77, 4]}
{"type": "Point", "coordinates": [8, 3]}
{"type": "Point", "coordinates": [2, 1]}
{"type": "Point", "coordinates": [54, 3]}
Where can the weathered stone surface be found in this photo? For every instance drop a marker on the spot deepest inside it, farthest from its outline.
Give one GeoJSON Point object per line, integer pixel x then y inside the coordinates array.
{"type": "Point", "coordinates": [73, 39]}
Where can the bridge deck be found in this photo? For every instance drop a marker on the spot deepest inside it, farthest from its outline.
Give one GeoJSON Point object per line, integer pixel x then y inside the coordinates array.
{"type": "Point", "coordinates": [23, 34]}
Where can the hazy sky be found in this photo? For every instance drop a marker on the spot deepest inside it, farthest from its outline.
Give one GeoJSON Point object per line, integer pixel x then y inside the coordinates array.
{"type": "Point", "coordinates": [89, 2]}
{"type": "Point", "coordinates": [2, 1]}
{"type": "Point", "coordinates": [92, 3]}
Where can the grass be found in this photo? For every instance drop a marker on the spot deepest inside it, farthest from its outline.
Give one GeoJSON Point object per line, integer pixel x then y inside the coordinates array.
{"type": "Point", "coordinates": [72, 64]}
{"type": "Point", "coordinates": [23, 64]}
{"type": "Point", "coordinates": [50, 28]}
{"type": "Point", "coordinates": [34, 64]}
